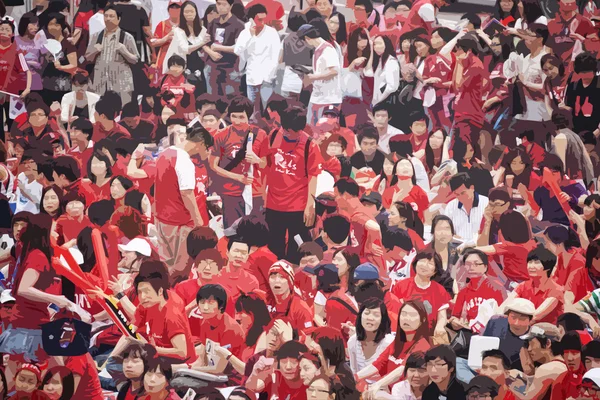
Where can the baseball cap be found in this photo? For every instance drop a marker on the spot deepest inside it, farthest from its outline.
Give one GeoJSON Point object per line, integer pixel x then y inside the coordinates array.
{"type": "Point", "coordinates": [522, 306]}
{"type": "Point", "coordinates": [366, 272]}
{"type": "Point", "coordinates": [138, 245]}
{"type": "Point", "coordinates": [372, 197]}
{"type": "Point", "coordinates": [6, 297]}
{"type": "Point", "coordinates": [174, 3]}
{"type": "Point", "coordinates": [331, 110]}
{"type": "Point", "coordinates": [542, 330]}
{"type": "Point", "coordinates": [592, 375]}
{"type": "Point", "coordinates": [327, 274]}
{"type": "Point", "coordinates": [308, 30]}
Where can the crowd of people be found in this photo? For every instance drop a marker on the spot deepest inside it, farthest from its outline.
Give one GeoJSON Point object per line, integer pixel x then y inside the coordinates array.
{"type": "Point", "coordinates": [240, 201]}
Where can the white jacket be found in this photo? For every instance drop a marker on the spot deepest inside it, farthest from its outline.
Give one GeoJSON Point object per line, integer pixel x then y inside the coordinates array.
{"type": "Point", "coordinates": [67, 106]}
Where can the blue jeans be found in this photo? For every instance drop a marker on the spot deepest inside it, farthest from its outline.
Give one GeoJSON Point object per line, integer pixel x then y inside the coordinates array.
{"type": "Point", "coordinates": [261, 92]}
{"type": "Point", "coordinates": [221, 81]}
{"type": "Point", "coordinates": [463, 372]}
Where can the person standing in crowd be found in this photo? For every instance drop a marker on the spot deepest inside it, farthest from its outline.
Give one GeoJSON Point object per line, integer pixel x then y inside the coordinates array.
{"type": "Point", "coordinates": [113, 51]}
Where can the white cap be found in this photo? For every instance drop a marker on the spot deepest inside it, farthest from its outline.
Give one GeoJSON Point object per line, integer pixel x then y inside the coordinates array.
{"type": "Point", "coordinates": [6, 296]}
{"type": "Point", "coordinates": [593, 375]}
{"type": "Point", "coordinates": [138, 245]}
{"type": "Point", "coordinates": [522, 306]}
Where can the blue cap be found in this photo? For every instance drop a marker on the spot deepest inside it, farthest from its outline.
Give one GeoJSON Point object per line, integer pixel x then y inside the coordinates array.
{"type": "Point", "coordinates": [366, 272]}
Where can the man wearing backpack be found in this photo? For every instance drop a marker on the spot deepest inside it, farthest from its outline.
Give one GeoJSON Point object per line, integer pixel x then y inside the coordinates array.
{"type": "Point", "coordinates": [113, 51]}
{"type": "Point", "coordinates": [293, 164]}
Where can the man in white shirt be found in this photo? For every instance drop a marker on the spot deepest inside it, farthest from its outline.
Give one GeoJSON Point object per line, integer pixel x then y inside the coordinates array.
{"type": "Point", "coordinates": [259, 46]}
{"type": "Point", "coordinates": [29, 190]}
{"type": "Point", "coordinates": [325, 79]}
{"type": "Point", "coordinates": [467, 209]}
{"type": "Point", "coordinates": [381, 120]}
{"type": "Point", "coordinates": [528, 71]}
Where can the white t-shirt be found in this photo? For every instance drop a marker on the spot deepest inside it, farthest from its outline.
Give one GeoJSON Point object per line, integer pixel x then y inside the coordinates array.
{"type": "Point", "coordinates": [185, 170]}
{"type": "Point", "coordinates": [326, 91]}
{"type": "Point", "coordinates": [35, 191]}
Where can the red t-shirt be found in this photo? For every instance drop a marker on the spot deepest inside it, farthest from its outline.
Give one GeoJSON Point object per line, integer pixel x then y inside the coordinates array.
{"type": "Point", "coordinates": [89, 385]}
{"type": "Point", "coordinates": [225, 331]}
{"type": "Point", "coordinates": [188, 290]}
{"type": "Point", "coordinates": [94, 192]}
{"type": "Point", "coordinates": [101, 133]}
{"type": "Point", "coordinates": [82, 156]}
{"type": "Point", "coordinates": [563, 272]}
{"type": "Point", "coordinates": [515, 258]}
{"type": "Point", "coordinates": [434, 297]}
{"type": "Point", "coordinates": [145, 184]}
{"type": "Point", "coordinates": [276, 385]}
{"type": "Point", "coordinates": [387, 362]}
{"type": "Point", "coordinates": [259, 264]}
{"type": "Point", "coordinates": [579, 284]}
{"type": "Point", "coordinates": [163, 324]}
{"type": "Point", "coordinates": [537, 295]}
{"type": "Point", "coordinates": [286, 172]}
{"type": "Point", "coordinates": [228, 142]}
{"type": "Point", "coordinates": [13, 83]}
{"type": "Point", "coordinates": [68, 228]}
{"type": "Point", "coordinates": [416, 196]}
{"type": "Point", "coordinates": [162, 29]}
{"type": "Point", "coordinates": [477, 290]}
{"type": "Point", "coordinates": [169, 206]}
{"type": "Point", "coordinates": [32, 314]}
{"type": "Point", "coordinates": [236, 281]}
{"type": "Point", "coordinates": [297, 312]}
{"type": "Point", "coordinates": [468, 104]}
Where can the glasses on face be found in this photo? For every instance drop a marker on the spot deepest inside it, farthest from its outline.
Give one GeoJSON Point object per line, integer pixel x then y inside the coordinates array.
{"type": "Point", "coordinates": [436, 365]}
{"type": "Point", "coordinates": [498, 204]}
{"type": "Point", "coordinates": [473, 264]}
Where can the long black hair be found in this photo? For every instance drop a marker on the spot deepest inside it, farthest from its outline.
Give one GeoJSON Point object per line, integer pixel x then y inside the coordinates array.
{"type": "Point", "coordinates": [66, 378]}
{"type": "Point", "coordinates": [341, 35]}
{"type": "Point", "coordinates": [37, 236]}
{"type": "Point", "coordinates": [385, 326]}
{"type": "Point", "coordinates": [59, 194]}
{"type": "Point", "coordinates": [532, 10]}
{"type": "Point", "coordinates": [387, 53]}
{"type": "Point", "coordinates": [352, 51]}
{"type": "Point", "coordinates": [197, 22]}
{"type": "Point", "coordinates": [525, 176]}
{"type": "Point", "coordinates": [429, 156]}
{"type": "Point", "coordinates": [413, 221]}
{"type": "Point", "coordinates": [252, 304]}
{"type": "Point", "coordinates": [514, 11]}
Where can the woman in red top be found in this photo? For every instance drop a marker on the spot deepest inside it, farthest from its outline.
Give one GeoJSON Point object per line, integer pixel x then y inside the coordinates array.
{"type": "Point", "coordinates": [52, 202]}
{"type": "Point", "coordinates": [514, 245]}
{"type": "Point", "coordinates": [35, 286]}
{"type": "Point", "coordinates": [69, 225]}
{"type": "Point", "coordinates": [404, 188]}
{"type": "Point", "coordinates": [99, 173]}
{"type": "Point", "coordinates": [124, 194]}
{"type": "Point", "coordinates": [58, 383]}
{"type": "Point", "coordinates": [253, 315]}
{"type": "Point", "coordinates": [412, 335]}
{"type": "Point", "coordinates": [403, 216]}
{"type": "Point", "coordinates": [519, 169]}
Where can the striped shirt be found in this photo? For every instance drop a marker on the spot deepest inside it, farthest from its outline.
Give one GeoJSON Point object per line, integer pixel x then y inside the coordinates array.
{"type": "Point", "coordinates": [591, 303]}
{"type": "Point", "coordinates": [466, 225]}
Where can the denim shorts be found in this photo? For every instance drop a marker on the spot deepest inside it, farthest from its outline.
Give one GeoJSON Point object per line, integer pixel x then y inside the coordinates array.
{"type": "Point", "coordinates": [22, 344]}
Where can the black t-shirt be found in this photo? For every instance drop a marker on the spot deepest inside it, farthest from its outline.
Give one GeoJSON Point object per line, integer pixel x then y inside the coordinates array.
{"type": "Point", "coordinates": [225, 34]}
{"type": "Point", "coordinates": [585, 102]}
{"type": "Point", "coordinates": [455, 391]}
{"type": "Point", "coordinates": [133, 20]}
{"type": "Point", "coordinates": [358, 161]}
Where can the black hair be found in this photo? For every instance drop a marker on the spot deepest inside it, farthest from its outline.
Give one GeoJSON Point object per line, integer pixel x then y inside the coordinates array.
{"type": "Point", "coordinates": [26, 19]}
{"type": "Point", "coordinates": [405, 210]}
{"type": "Point", "coordinates": [337, 228]}
{"type": "Point", "coordinates": [367, 131]}
{"type": "Point", "coordinates": [473, 18]}
{"type": "Point", "coordinates": [254, 229]}
{"type": "Point", "coordinates": [367, 4]}
{"type": "Point", "coordinates": [429, 255]}
{"type": "Point", "coordinates": [197, 25]}
{"type": "Point", "coordinates": [394, 179]}
{"type": "Point", "coordinates": [387, 52]}
{"type": "Point", "coordinates": [415, 361]}
{"type": "Point", "coordinates": [559, 234]}
{"type": "Point", "coordinates": [570, 341]}
{"type": "Point", "coordinates": [291, 349]}
{"type": "Point", "coordinates": [382, 107]}
{"type": "Point", "coordinates": [85, 245]}
{"type": "Point", "coordinates": [482, 256]}
{"type": "Point", "coordinates": [368, 290]}
{"type": "Point", "coordinates": [113, 8]}
{"type": "Point", "coordinates": [277, 104]}
{"type": "Point", "coordinates": [59, 194]}
{"type": "Point", "coordinates": [332, 345]}
{"type": "Point", "coordinates": [429, 156]}
{"type": "Point", "coordinates": [592, 349]}
{"type": "Point", "coordinates": [216, 292]}
{"type": "Point", "coordinates": [443, 352]}
{"type": "Point", "coordinates": [554, 163]}
{"type": "Point", "coordinates": [254, 10]}
{"type": "Point", "coordinates": [67, 166]}
{"type": "Point", "coordinates": [585, 62]}
{"type": "Point", "coordinates": [211, 8]}
{"type": "Point", "coordinates": [441, 218]}
{"type": "Point", "coordinates": [294, 118]}
{"type": "Point", "coordinates": [100, 212]}
{"type": "Point", "coordinates": [540, 30]}
{"type": "Point", "coordinates": [176, 60]}
{"type": "Point", "coordinates": [308, 249]}
{"type": "Point", "coordinates": [495, 353]}
{"type": "Point", "coordinates": [252, 304]}
{"type": "Point", "coordinates": [385, 325]}
{"type": "Point", "coordinates": [555, 61]}
{"type": "Point", "coordinates": [347, 185]}
{"type": "Point", "coordinates": [37, 105]}
{"type": "Point", "coordinates": [163, 365]}
{"type": "Point", "coordinates": [531, 10]}
{"type": "Point", "coordinates": [59, 18]}
{"type": "Point", "coordinates": [36, 236]}
{"type": "Point", "coordinates": [84, 125]}
{"type": "Point", "coordinates": [80, 79]}
{"type": "Point", "coordinates": [66, 378]}
{"type": "Point", "coordinates": [515, 227]}
{"type": "Point", "coordinates": [106, 107]}
{"type": "Point", "coordinates": [156, 274]}
{"type": "Point", "coordinates": [545, 256]}
{"type": "Point", "coordinates": [352, 51]}
{"type": "Point", "coordinates": [200, 238]}
{"type": "Point", "coordinates": [138, 350]}
{"type": "Point", "coordinates": [341, 36]}
{"type": "Point", "coordinates": [446, 34]}
{"type": "Point", "coordinates": [102, 158]}
{"type": "Point", "coordinates": [570, 322]}
{"type": "Point", "coordinates": [391, 238]}
{"type": "Point", "coordinates": [401, 146]}
{"type": "Point", "coordinates": [240, 104]}
{"type": "Point", "coordinates": [462, 178]}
